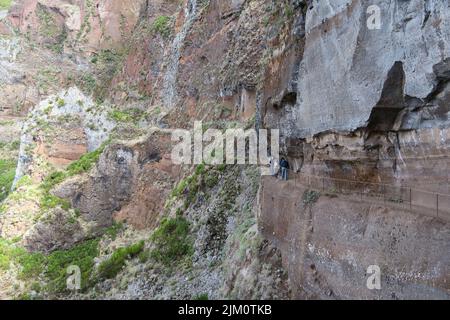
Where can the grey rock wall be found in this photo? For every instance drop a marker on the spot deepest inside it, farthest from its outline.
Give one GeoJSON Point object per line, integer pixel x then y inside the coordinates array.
{"type": "Point", "coordinates": [345, 65]}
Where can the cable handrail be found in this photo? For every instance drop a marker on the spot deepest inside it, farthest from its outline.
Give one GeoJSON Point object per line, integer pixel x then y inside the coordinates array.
{"type": "Point", "coordinates": [412, 199]}
{"type": "Point", "coordinates": [370, 183]}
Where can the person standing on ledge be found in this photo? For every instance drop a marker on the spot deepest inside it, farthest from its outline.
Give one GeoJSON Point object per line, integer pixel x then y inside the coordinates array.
{"type": "Point", "coordinates": [284, 165]}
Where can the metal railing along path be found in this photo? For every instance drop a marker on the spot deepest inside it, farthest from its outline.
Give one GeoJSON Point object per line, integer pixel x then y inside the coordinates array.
{"type": "Point", "coordinates": [402, 197]}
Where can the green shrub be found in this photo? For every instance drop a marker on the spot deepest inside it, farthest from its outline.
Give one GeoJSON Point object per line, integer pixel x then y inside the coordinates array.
{"type": "Point", "coordinates": [52, 180]}
{"type": "Point", "coordinates": [212, 179]}
{"type": "Point", "coordinates": [81, 255]}
{"type": "Point", "coordinates": [5, 4]}
{"type": "Point", "coordinates": [127, 116]}
{"type": "Point", "coordinates": [172, 241]}
{"type": "Point", "coordinates": [15, 145]}
{"type": "Point", "coordinates": [53, 268]}
{"type": "Point", "coordinates": [88, 82]}
{"type": "Point", "coordinates": [32, 265]}
{"type": "Point", "coordinates": [48, 24]}
{"type": "Point", "coordinates": [49, 201]}
{"type": "Point", "coordinates": [144, 256]}
{"type": "Point", "coordinates": [24, 181]}
{"type": "Point", "coordinates": [221, 167]}
{"type": "Point", "coordinates": [6, 254]}
{"type": "Point", "coordinates": [107, 62]}
{"type": "Point", "coordinates": [7, 174]}
{"type": "Point", "coordinates": [289, 11]}
{"type": "Point", "coordinates": [162, 26]}
{"type": "Point", "coordinates": [86, 162]}
{"type": "Point", "coordinates": [48, 110]}
{"type": "Point", "coordinates": [179, 189]}
{"type": "Point", "coordinates": [200, 169]}
{"type": "Point", "coordinates": [310, 197]}
{"type": "Point", "coordinates": [109, 268]}
{"type": "Point", "coordinates": [190, 186]}
{"type": "Point", "coordinates": [203, 296]}
{"type": "Point", "coordinates": [107, 56]}
{"type": "Point", "coordinates": [114, 230]}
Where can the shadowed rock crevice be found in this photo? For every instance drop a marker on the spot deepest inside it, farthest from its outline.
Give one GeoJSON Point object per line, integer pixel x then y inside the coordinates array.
{"type": "Point", "coordinates": [385, 113]}
{"type": "Point", "coordinates": [288, 98]}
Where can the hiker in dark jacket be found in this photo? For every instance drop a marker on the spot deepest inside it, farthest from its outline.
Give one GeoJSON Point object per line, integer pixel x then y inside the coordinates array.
{"type": "Point", "coordinates": [284, 165]}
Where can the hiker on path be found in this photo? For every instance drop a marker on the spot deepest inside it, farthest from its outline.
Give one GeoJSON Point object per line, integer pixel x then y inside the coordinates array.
{"type": "Point", "coordinates": [284, 165]}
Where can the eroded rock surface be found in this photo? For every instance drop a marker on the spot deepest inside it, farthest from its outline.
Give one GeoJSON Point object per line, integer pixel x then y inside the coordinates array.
{"type": "Point", "coordinates": [345, 65]}
{"type": "Point", "coordinates": [335, 240]}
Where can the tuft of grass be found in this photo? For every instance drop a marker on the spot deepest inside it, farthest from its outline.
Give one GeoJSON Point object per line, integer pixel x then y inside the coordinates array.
{"type": "Point", "coordinates": [109, 268]}
{"type": "Point", "coordinates": [172, 241]}
{"type": "Point", "coordinates": [144, 256]}
{"type": "Point", "coordinates": [60, 102]}
{"type": "Point", "coordinates": [52, 180]}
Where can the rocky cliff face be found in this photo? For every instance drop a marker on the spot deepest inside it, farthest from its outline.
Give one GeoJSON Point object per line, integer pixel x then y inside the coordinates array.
{"type": "Point", "coordinates": [82, 26]}
{"type": "Point", "coordinates": [408, 56]}
{"type": "Point", "coordinates": [102, 82]}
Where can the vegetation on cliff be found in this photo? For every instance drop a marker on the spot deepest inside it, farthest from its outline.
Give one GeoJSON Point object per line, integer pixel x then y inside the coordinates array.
{"type": "Point", "coordinates": [172, 241]}
{"type": "Point", "coordinates": [5, 4]}
{"type": "Point", "coordinates": [7, 173]}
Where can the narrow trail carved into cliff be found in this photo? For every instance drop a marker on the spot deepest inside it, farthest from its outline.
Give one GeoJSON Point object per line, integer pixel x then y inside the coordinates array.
{"type": "Point", "coordinates": [415, 201]}
{"type": "Point", "coordinates": [305, 236]}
